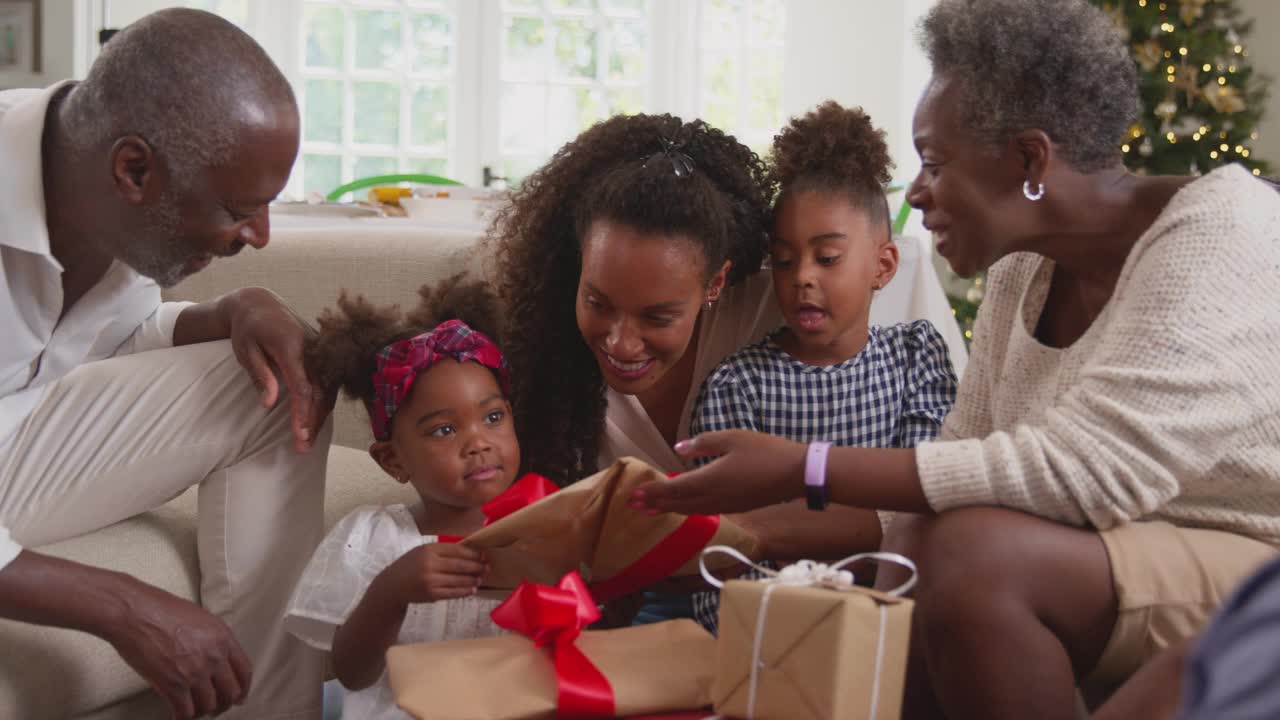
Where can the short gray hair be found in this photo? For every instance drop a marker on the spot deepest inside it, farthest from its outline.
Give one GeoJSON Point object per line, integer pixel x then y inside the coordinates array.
{"type": "Point", "coordinates": [1061, 66]}
{"type": "Point", "coordinates": [184, 80]}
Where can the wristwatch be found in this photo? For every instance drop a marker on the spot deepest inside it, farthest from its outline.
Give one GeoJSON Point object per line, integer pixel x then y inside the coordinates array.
{"type": "Point", "coordinates": [815, 475]}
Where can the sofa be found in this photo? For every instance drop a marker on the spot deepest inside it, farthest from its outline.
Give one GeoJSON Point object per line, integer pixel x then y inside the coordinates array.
{"type": "Point", "coordinates": [48, 673]}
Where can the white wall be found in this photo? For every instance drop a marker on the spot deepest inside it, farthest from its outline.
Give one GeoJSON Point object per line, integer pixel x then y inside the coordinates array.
{"type": "Point", "coordinates": [1264, 51]}
{"type": "Point", "coordinates": [63, 37]}
{"type": "Point", "coordinates": [860, 53]}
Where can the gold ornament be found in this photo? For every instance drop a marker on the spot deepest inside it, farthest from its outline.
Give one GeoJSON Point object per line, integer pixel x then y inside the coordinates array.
{"type": "Point", "coordinates": [1187, 79]}
{"type": "Point", "coordinates": [1148, 54]}
{"type": "Point", "coordinates": [1191, 10]}
{"type": "Point", "coordinates": [1223, 98]}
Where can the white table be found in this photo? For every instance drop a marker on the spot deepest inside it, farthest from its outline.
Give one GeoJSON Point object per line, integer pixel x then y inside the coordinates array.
{"type": "Point", "coordinates": [913, 294]}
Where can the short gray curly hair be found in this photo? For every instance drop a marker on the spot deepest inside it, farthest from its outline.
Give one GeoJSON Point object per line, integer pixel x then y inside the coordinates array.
{"type": "Point", "coordinates": [185, 81]}
{"type": "Point", "coordinates": [1060, 66]}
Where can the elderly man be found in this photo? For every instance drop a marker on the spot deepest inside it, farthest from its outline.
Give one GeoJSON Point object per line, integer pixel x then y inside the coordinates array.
{"type": "Point", "coordinates": [112, 402]}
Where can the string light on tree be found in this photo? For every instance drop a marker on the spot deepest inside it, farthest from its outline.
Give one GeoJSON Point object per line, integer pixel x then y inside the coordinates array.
{"type": "Point", "coordinates": [1196, 83]}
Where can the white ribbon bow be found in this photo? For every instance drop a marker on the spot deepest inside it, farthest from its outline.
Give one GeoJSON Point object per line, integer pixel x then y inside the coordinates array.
{"type": "Point", "coordinates": [808, 573]}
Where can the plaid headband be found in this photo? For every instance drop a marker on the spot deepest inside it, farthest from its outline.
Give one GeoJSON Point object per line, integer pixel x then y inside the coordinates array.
{"type": "Point", "coordinates": [400, 363]}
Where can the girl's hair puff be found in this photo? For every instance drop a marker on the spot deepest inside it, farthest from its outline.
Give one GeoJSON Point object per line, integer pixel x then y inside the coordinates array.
{"type": "Point", "coordinates": [618, 170]}
{"type": "Point", "coordinates": [834, 149]}
{"type": "Point", "coordinates": [343, 354]}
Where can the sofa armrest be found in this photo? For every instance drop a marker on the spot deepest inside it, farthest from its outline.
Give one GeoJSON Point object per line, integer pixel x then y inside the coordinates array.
{"type": "Point", "coordinates": [385, 260]}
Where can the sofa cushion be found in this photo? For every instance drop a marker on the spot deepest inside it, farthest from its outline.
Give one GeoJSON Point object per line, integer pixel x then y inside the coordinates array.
{"type": "Point", "coordinates": [55, 673]}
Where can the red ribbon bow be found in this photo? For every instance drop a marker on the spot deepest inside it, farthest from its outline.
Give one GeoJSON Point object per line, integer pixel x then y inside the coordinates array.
{"type": "Point", "coordinates": [553, 617]}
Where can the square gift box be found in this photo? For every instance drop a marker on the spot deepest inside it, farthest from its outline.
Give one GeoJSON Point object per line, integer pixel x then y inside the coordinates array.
{"type": "Point", "coordinates": [801, 652]}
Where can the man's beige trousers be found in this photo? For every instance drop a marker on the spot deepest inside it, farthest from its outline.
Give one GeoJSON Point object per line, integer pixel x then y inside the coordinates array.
{"type": "Point", "coordinates": [119, 437]}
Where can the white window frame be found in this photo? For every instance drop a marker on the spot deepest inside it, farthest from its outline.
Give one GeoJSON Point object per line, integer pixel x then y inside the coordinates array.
{"type": "Point", "coordinates": [674, 67]}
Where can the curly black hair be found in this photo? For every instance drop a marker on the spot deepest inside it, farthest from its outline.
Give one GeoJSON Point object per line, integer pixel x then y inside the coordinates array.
{"type": "Point", "coordinates": [344, 352]}
{"type": "Point", "coordinates": [833, 149]}
{"type": "Point", "coordinates": [1060, 66]}
{"type": "Point", "coordinates": [655, 173]}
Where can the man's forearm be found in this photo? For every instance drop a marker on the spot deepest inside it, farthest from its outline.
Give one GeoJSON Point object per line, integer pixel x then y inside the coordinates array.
{"type": "Point", "coordinates": [46, 590]}
{"type": "Point", "coordinates": [205, 322]}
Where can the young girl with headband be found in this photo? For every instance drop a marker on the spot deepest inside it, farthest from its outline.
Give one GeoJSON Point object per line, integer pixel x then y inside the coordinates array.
{"type": "Point", "coordinates": [435, 386]}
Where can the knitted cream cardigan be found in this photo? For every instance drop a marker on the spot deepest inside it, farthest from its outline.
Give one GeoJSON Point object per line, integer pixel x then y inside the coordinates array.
{"type": "Point", "coordinates": [1168, 407]}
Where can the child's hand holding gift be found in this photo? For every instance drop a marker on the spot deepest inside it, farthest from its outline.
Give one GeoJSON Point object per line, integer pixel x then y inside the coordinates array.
{"type": "Point", "coordinates": [429, 573]}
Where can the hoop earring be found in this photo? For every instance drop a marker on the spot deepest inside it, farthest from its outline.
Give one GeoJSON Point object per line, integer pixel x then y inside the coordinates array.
{"type": "Point", "coordinates": [1032, 196]}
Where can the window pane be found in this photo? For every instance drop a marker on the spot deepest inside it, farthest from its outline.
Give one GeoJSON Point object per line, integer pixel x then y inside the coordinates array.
{"type": "Point", "coordinates": [720, 23]}
{"type": "Point", "coordinates": [573, 110]}
{"type": "Point", "coordinates": [720, 90]}
{"type": "Point", "coordinates": [573, 5]}
{"type": "Point", "coordinates": [524, 60]}
{"type": "Point", "coordinates": [429, 115]}
{"type": "Point", "coordinates": [627, 59]}
{"type": "Point", "coordinates": [628, 7]}
{"type": "Point", "coordinates": [765, 83]}
{"type": "Point", "coordinates": [768, 21]}
{"type": "Point", "coordinates": [432, 42]}
{"type": "Point", "coordinates": [523, 114]}
{"type": "Point", "coordinates": [430, 166]}
{"type": "Point", "coordinates": [377, 40]}
{"type": "Point", "coordinates": [515, 169]}
{"type": "Point", "coordinates": [524, 5]}
{"type": "Point", "coordinates": [377, 112]}
{"type": "Point", "coordinates": [324, 37]}
{"type": "Point", "coordinates": [323, 101]}
{"type": "Point", "coordinates": [370, 166]}
{"type": "Point", "coordinates": [626, 101]}
{"type": "Point", "coordinates": [321, 173]}
{"type": "Point", "coordinates": [575, 49]}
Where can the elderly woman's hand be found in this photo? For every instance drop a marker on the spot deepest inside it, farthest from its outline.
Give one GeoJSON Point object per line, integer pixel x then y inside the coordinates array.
{"type": "Point", "coordinates": [755, 470]}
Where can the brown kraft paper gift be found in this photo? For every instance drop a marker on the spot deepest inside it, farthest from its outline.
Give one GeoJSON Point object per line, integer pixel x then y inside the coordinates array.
{"type": "Point", "coordinates": [656, 668]}
{"type": "Point", "coordinates": [824, 654]}
{"type": "Point", "coordinates": [589, 527]}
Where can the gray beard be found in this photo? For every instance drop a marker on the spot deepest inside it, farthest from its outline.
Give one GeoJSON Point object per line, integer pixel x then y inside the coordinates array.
{"type": "Point", "coordinates": [159, 253]}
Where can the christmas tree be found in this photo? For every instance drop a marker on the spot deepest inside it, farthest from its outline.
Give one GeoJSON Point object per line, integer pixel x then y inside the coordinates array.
{"type": "Point", "coordinates": [1201, 101]}
{"type": "Point", "coordinates": [1201, 98]}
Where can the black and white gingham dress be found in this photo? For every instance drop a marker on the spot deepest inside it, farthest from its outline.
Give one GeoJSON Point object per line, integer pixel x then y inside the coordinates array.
{"type": "Point", "coordinates": [893, 394]}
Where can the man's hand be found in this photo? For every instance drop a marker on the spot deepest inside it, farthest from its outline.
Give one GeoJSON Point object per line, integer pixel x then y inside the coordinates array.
{"type": "Point", "coordinates": [756, 470]}
{"type": "Point", "coordinates": [188, 656]}
{"type": "Point", "coordinates": [267, 336]}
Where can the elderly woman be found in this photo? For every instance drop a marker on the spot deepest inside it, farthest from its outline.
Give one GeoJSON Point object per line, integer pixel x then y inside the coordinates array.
{"type": "Point", "coordinates": [1112, 465]}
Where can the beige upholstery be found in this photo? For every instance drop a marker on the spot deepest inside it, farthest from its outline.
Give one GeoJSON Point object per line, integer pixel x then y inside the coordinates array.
{"type": "Point", "coordinates": [47, 673]}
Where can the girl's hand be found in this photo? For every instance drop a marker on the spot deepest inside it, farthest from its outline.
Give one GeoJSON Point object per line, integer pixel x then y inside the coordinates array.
{"type": "Point", "coordinates": [439, 571]}
{"type": "Point", "coordinates": [756, 470]}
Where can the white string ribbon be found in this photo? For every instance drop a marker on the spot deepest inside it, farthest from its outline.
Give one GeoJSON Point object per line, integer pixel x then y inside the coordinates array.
{"type": "Point", "coordinates": [808, 573]}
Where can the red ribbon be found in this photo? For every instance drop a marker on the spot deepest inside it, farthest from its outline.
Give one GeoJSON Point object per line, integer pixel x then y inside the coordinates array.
{"type": "Point", "coordinates": [553, 617]}
{"type": "Point", "coordinates": [662, 561]}
{"type": "Point", "coordinates": [528, 490]}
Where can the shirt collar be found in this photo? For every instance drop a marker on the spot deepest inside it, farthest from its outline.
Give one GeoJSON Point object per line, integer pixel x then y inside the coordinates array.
{"type": "Point", "coordinates": [22, 210]}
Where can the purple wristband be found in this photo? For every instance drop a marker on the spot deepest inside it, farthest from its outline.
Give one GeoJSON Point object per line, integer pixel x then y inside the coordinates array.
{"type": "Point", "coordinates": [815, 475]}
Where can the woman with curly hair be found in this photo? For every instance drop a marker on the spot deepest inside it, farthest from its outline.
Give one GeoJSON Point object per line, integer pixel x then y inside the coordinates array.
{"type": "Point", "coordinates": [1112, 465]}
{"type": "Point", "coordinates": [828, 375]}
{"type": "Point", "coordinates": [629, 266]}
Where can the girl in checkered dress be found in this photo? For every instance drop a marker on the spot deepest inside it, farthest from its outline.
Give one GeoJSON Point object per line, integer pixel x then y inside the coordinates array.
{"type": "Point", "coordinates": [827, 374]}
{"type": "Point", "coordinates": [435, 386]}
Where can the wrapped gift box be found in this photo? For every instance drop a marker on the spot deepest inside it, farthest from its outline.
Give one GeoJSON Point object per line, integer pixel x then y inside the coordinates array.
{"type": "Point", "coordinates": [553, 668]}
{"type": "Point", "coordinates": [590, 528]}
{"type": "Point", "coordinates": [821, 653]}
